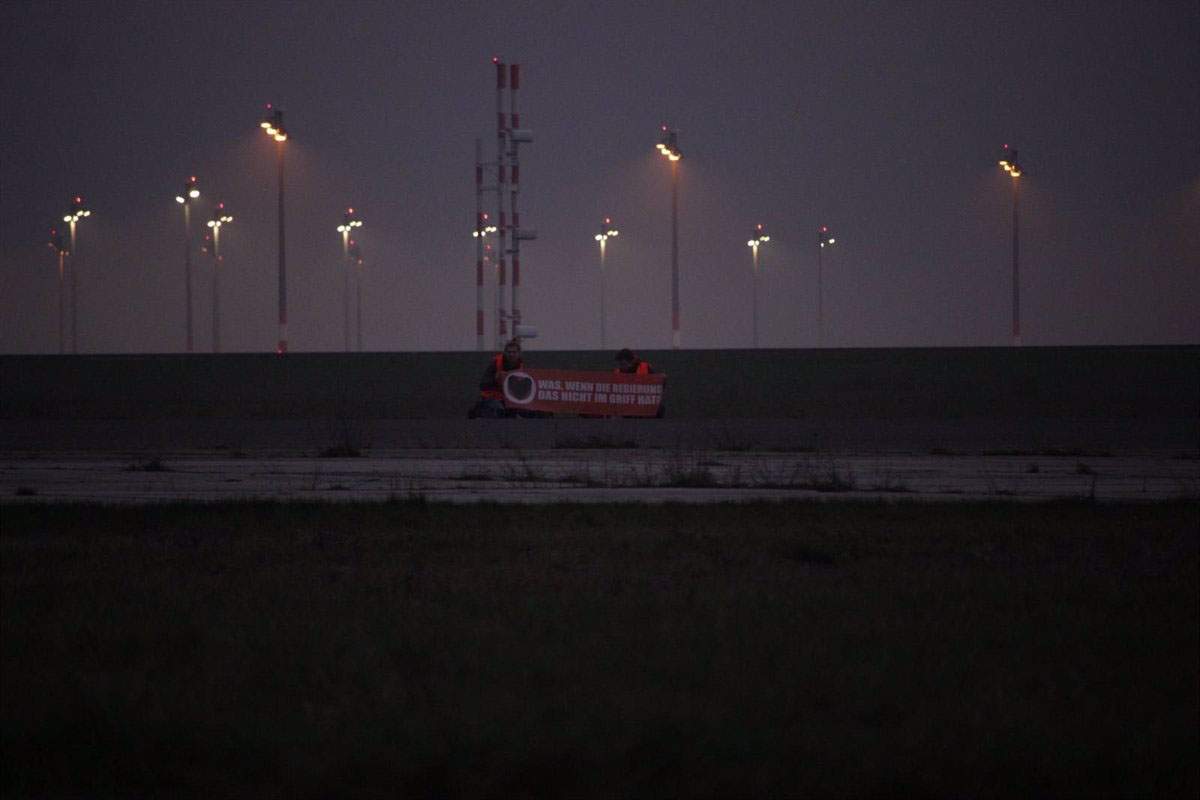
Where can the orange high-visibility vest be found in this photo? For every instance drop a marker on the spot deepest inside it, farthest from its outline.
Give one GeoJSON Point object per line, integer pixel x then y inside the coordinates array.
{"type": "Point", "coordinates": [496, 393]}
{"type": "Point", "coordinates": [642, 369]}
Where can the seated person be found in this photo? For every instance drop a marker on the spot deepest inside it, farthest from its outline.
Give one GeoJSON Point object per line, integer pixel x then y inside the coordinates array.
{"type": "Point", "coordinates": [491, 385]}
{"type": "Point", "coordinates": [630, 364]}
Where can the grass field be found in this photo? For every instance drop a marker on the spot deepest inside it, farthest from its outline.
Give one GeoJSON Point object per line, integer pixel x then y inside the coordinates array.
{"type": "Point", "coordinates": [413, 649]}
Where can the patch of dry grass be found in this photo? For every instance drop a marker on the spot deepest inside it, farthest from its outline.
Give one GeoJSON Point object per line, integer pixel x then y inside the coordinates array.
{"type": "Point", "coordinates": [419, 649]}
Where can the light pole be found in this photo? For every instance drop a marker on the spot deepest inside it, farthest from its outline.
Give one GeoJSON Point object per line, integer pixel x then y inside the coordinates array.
{"type": "Point", "coordinates": [824, 239]}
{"type": "Point", "coordinates": [272, 124]}
{"type": "Point", "coordinates": [356, 257]}
{"type": "Point", "coordinates": [219, 217]}
{"type": "Point", "coordinates": [606, 230]}
{"type": "Point", "coordinates": [479, 217]}
{"type": "Point", "coordinates": [668, 146]}
{"type": "Point", "coordinates": [349, 223]}
{"type": "Point", "coordinates": [75, 212]}
{"type": "Point", "coordinates": [56, 244]}
{"type": "Point", "coordinates": [1008, 160]}
{"type": "Point", "coordinates": [483, 252]}
{"type": "Point", "coordinates": [758, 238]}
{"type": "Point", "coordinates": [190, 193]}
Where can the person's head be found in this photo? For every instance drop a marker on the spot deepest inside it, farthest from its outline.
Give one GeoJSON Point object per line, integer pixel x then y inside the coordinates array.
{"type": "Point", "coordinates": [625, 359]}
{"type": "Point", "coordinates": [512, 352]}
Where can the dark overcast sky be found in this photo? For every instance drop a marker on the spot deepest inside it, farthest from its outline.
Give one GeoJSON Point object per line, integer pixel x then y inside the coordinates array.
{"type": "Point", "coordinates": [882, 120]}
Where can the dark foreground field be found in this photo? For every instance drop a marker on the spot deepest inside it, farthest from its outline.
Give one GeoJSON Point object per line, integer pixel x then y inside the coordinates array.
{"type": "Point", "coordinates": [407, 649]}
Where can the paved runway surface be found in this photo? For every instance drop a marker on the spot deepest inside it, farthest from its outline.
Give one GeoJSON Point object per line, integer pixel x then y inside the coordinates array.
{"type": "Point", "coordinates": [588, 475]}
{"type": "Point", "coordinates": [540, 460]}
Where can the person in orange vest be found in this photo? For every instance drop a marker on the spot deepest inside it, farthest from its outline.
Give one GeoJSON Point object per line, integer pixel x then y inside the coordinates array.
{"type": "Point", "coordinates": [630, 364]}
{"type": "Point", "coordinates": [491, 391]}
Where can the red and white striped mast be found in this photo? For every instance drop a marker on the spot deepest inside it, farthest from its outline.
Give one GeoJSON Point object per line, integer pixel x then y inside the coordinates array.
{"type": "Point", "coordinates": [516, 136]}
{"type": "Point", "coordinates": [501, 222]}
{"type": "Point", "coordinates": [514, 83]}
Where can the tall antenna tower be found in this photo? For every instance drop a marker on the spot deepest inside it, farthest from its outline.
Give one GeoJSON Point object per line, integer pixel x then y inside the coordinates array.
{"type": "Point", "coordinates": [501, 220]}
{"type": "Point", "coordinates": [516, 137]}
{"type": "Point", "coordinates": [509, 137]}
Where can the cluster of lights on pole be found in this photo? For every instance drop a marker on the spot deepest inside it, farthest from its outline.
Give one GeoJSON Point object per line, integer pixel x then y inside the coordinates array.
{"type": "Point", "coordinates": [1008, 160]}
{"type": "Point", "coordinates": [77, 211]}
{"type": "Point", "coordinates": [607, 230]}
{"type": "Point", "coordinates": [668, 145]}
{"type": "Point", "coordinates": [760, 237]}
{"type": "Point", "coordinates": [349, 222]}
{"type": "Point", "coordinates": [485, 227]}
{"type": "Point", "coordinates": [190, 192]}
{"type": "Point", "coordinates": [220, 217]}
{"type": "Point", "coordinates": [273, 124]}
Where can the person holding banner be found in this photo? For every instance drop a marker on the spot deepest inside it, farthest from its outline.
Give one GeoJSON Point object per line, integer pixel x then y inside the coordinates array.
{"type": "Point", "coordinates": [630, 364]}
{"type": "Point", "coordinates": [491, 392]}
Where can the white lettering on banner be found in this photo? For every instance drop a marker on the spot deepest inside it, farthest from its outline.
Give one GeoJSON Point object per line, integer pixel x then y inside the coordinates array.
{"type": "Point", "coordinates": [638, 388]}
{"type": "Point", "coordinates": [622, 395]}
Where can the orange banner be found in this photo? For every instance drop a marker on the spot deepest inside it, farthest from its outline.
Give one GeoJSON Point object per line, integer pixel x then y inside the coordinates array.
{"type": "Point", "coordinates": [605, 394]}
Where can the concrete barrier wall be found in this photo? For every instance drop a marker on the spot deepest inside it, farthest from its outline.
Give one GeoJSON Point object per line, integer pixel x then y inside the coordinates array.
{"type": "Point", "coordinates": [1102, 383]}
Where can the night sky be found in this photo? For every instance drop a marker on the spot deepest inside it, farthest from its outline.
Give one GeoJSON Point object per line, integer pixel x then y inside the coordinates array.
{"type": "Point", "coordinates": [882, 120]}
